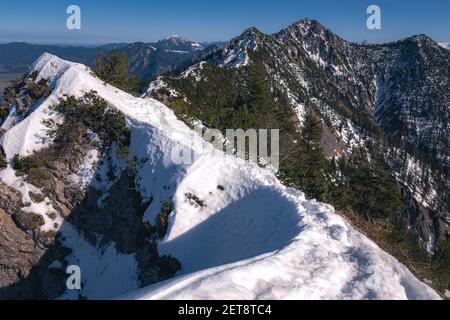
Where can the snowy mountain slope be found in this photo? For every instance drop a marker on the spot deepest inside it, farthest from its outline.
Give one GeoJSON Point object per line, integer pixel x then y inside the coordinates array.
{"type": "Point", "coordinates": [249, 237]}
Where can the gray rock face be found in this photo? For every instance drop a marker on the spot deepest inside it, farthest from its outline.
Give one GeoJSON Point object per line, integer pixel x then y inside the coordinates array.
{"type": "Point", "coordinates": [25, 256]}
{"type": "Point", "coordinates": [18, 251]}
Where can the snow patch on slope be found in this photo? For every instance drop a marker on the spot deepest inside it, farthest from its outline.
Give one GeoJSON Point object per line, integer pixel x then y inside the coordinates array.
{"type": "Point", "coordinates": [236, 52]}
{"type": "Point", "coordinates": [194, 71]}
{"type": "Point", "coordinates": [157, 85]}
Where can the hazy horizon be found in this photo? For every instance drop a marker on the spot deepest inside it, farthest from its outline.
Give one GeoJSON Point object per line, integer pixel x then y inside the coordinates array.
{"type": "Point", "coordinates": [117, 22]}
{"type": "Point", "coordinates": [98, 44]}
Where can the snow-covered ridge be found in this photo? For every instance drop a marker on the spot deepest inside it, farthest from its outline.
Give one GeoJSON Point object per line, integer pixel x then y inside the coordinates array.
{"type": "Point", "coordinates": [444, 45]}
{"type": "Point", "coordinates": [253, 238]}
{"type": "Point", "coordinates": [235, 53]}
{"type": "Point", "coordinates": [177, 51]}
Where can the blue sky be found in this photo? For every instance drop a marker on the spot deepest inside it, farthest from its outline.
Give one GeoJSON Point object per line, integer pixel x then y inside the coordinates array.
{"type": "Point", "coordinates": [125, 21]}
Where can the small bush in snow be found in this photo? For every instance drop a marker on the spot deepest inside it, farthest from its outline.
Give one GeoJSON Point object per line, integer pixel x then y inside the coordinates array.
{"type": "Point", "coordinates": [25, 164]}
{"type": "Point", "coordinates": [3, 162]}
{"type": "Point", "coordinates": [91, 111]}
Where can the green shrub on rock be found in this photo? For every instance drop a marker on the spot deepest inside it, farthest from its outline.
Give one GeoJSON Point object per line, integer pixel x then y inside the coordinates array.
{"type": "Point", "coordinates": [91, 111]}
{"type": "Point", "coordinates": [29, 220]}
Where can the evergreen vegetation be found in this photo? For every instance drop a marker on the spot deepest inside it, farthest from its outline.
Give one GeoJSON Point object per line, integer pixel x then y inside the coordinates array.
{"type": "Point", "coordinates": [112, 67]}
{"type": "Point", "coordinates": [4, 112]}
{"type": "Point", "coordinates": [25, 164]}
{"type": "Point", "coordinates": [306, 167]}
{"type": "Point", "coordinates": [366, 188]}
{"type": "Point", "coordinates": [230, 98]}
{"type": "Point", "coordinates": [3, 162]}
{"type": "Point", "coordinates": [90, 111]}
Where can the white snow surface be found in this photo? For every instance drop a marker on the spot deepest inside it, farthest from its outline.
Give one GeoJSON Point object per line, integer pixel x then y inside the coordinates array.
{"type": "Point", "coordinates": [255, 239]}
{"type": "Point", "coordinates": [444, 45]}
{"type": "Point", "coordinates": [158, 84]}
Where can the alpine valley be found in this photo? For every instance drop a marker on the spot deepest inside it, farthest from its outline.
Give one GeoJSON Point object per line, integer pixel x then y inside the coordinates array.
{"type": "Point", "coordinates": [359, 208]}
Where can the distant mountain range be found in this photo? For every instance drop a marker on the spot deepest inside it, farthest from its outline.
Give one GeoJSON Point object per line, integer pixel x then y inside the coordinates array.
{"type": "Point", "coordinates": [445, 45]}
{"type": "Point", "coordinates": [146, 59]}
{"type": "Point", "coordinates": [16, 57]}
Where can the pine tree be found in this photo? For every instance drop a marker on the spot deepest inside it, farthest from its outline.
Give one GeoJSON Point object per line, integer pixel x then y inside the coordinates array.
{"type": "Point", "coordinates": [112, 67]}
{"type": "Point", "coordinates": [312, 160]}
{"type": "Point", "coordinates": [261, 100]}
{"type": "Point", "coordinates": [367, 188]}
{"type": "Point", "coordinates": [306, 164]}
